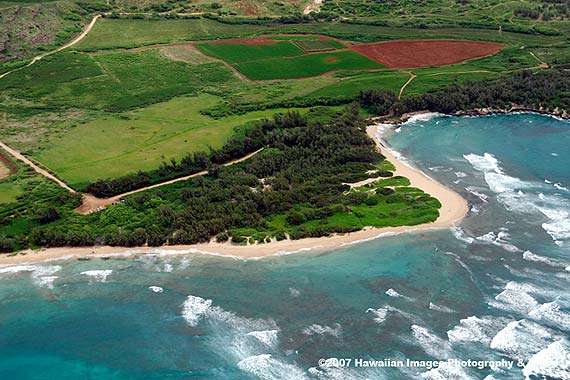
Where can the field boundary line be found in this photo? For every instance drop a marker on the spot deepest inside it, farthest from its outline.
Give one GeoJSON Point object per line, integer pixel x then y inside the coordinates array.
{"type": "Point", "coordinates": [39, 170]}
{"type": "Point", "coordinates": [412, 76]}
{"type": "Point", "coordinates": [69, 44]}
{"type": "Point", "coordinates": [92, 203]}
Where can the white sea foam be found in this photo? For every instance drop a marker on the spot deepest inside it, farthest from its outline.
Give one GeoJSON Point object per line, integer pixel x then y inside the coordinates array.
{"type": "Point", "coordinates": [337, 373]}
{"type": "Point", "coordinates": [475, 329]}
{"type": "Point", "coordinates": [431, 343]}
{"type": "Point", "coordinates": [156, 289]}
{"type": "Point", "coordinates": [41, 275]}
{"type": "Point", "coordinates": [447, 371]}
{"type": "Point", "coordinates": [422, 117]}
{"type": "Point", "coordinates": [383, 312]}
{"type": "Point", "coordinates": [194, 308]}
{"type": "Point", "coordinates": [266, 367]}
{"type": "Point", "coordinates": [483, 197]}
{"type": "Point", "coordinates": [232, 337]}
{"type": "Point", "coordinates": [553, 362]}
{"type": "Point", "coordinates": [551, 314]}
{"type": "Point", "coordinates": [316, 329]}
{"type": "Point", "coordinates": [558, 227]}
{"type": "Point", "coordinates": [294, 292]}
{"type": "Point", "coordinates": [522, 339]}
{"type": "Point", "coordinates": [392, 293]}
{"type": "Point", "coordinates": [380, 314]}
{"type": "Point", "coordinates": [460, 174]}
{"type": "Point", "coordinates": [440, 308]}
{"type": "Point", "coordinates": [530, 256]}
{"type": "Point", "coordinates": [99, 275]}
{"type": "Point", "coordinates": [500, 239]}
{"type": "Point", "coordinates": [460, 235]}
{"type": "Point", "coordinates": [525, 197]}
{"type": "Point", "coordinates": [268, 337]}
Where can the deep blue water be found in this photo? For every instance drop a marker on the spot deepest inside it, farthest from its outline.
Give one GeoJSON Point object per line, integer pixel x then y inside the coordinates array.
{"type": "Point", "coordinates": [496, 288]}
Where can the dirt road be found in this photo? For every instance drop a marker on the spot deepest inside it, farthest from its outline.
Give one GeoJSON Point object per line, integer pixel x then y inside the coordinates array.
{"type": "Point", "coordinates": [41, 171]}
{"type": "Point", "coordinates": [91, 203]}
{"type": "Point", "coordinates": [71, 43]}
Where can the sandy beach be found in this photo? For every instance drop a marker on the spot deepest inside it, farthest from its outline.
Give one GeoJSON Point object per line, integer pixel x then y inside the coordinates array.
{"type": "Point", "coordinates": [454, 208]}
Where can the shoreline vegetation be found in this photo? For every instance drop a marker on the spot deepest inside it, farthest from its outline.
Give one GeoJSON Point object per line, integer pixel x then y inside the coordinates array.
{"type": "Point", "coordinates": [453, 209]}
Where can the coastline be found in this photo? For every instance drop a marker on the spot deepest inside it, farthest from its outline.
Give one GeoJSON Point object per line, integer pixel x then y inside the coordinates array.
{"type": "Point", "coordinates": [453, 210]}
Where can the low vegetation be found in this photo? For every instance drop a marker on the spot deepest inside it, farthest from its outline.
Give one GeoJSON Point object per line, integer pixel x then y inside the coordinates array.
{"type": "Point", "coordinates": [293, 188]}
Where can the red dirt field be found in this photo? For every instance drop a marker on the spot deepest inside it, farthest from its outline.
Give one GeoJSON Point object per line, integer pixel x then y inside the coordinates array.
{"type": "Point", "coordinates": [424, 53]}
{"type": "Point", "coordinates": [12, 168]}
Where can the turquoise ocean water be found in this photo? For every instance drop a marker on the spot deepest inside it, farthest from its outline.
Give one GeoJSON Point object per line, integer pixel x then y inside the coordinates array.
{"type": "Point", "coordinates": [497, 288]}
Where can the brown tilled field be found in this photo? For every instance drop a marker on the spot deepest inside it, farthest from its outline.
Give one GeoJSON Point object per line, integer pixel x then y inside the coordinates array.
{"type": "Point", "coordinates": [7, 167]}
{"type": "Point", "coordinates": [423, 53]}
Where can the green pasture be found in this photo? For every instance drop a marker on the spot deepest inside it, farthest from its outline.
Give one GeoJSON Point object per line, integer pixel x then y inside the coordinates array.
{"type": "Point", "coordinates": [233, 52]}
{"type": "Point", "coordinates": [115, 145]}
{"type": "Point", "coordinates": [116, 33]}
{"type": "Point", "coordinates": [9, 191]}
{"type": "Point", "coordinates": [306, 65]}
{"type": "Point", "coordinates": [350, 86]}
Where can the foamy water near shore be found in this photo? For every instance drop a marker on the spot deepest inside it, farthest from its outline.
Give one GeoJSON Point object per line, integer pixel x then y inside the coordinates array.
{"type": "Point", "coordinates": [453, 210]}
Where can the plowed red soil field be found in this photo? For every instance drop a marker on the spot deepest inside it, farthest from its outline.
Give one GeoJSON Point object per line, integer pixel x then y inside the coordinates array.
{"type": "Point", "coordinates": [423, 53]}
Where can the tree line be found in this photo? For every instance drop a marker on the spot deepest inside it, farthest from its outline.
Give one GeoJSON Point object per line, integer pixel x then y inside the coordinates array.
{"type": "Point", "coordinates": [543, 91]}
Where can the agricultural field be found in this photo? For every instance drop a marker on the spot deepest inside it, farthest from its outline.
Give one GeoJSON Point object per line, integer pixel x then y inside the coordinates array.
{"type": "Point", "coordinates": [305, 65]}
{"type": "Point", "coordinates": [116, 145]}
{"type": "Point", "coordinates": [117, 102]}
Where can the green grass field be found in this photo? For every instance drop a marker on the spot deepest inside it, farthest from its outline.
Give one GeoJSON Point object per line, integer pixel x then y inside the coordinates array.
{"type": "Point", "coordinates": [305, 65]}
{"type": "Point", "coordinates": [9, 191]}
{"type": "Point", "coordinates": [234, 53]}
{"type": "Point", "coordinates": [111, 33]}
{"type": "Point", "coordinates": [116, 145]}
{"type": "Point", "coordinates": [350, 86]}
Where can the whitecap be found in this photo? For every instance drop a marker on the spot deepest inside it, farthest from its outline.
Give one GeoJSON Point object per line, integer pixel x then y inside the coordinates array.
{"type": "Point", "coordinates": [483, 197]}
{"type": "Point", "coordinates": [42, 275]}
{"type": "Point", "coordinates": [317, 329]}
{"type": "Point", "coordinates": [460, 174]}
{"type": "Point", "coordinates": [267, 337]}
{"type": "Point", "coordinates": [440, 308]}
{"type": "Point", "coordinates": [475, 329]}
{"type": "Point", "coordinates": [530, 256]}
{"type": "Point", "coordinates": [194, 308]}
{"type": "Point", "coordinates": [551, 314]}
{"type": "Point", "coordinates": [522, 339]}
{"type": "Point", "coordinates": [447, 371]}
{"type": "Point", "coordinates": [266, 367]}
{"type": "Point", "coordinates": [392, 293]}
{"type": "Point", "coordinates": [99, 275]}
{"type": "Point", "coordinates": [382, 313]}
{"type": "Point", "coordinates": [431, 343]}
{"type": "Point", "coordinates": [553, 362]}
{"type": "Point", "coordinates": [156, 289]}
{"type": "Point", "coordinates": [338, 373]}
{"type": "Point", "coordinates": [459, 234]}
{"type": "Point", "coordinates": [500, 239]}
{"type": "Point", "coordinates": [294, 292]}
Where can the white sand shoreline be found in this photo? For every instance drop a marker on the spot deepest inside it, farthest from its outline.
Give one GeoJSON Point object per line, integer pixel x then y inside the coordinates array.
{"type": "Point", "coordinates": [453, 210]}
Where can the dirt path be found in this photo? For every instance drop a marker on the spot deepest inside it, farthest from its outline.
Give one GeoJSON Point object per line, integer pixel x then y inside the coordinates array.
{"type": "Point", "coordinates": [412, 76]}
{"type": "Point", "coordinates": [39, 170]}
{"type": "Point", "coordinates": [91, 203]}
{"type": "Point", "coordinates": [69, 44]}
{"type": "Point", "coordinates": [313, 6]}
{"type": "Point", "coordinates": [4, 171]}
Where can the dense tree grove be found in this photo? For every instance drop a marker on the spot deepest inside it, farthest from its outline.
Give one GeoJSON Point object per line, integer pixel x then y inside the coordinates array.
{"type": "Point", "coordinates": [545, 90]}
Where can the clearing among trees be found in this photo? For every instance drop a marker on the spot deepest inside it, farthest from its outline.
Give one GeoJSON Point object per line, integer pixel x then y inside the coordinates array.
{"type": "Point", "coordinates": [423, 53]}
